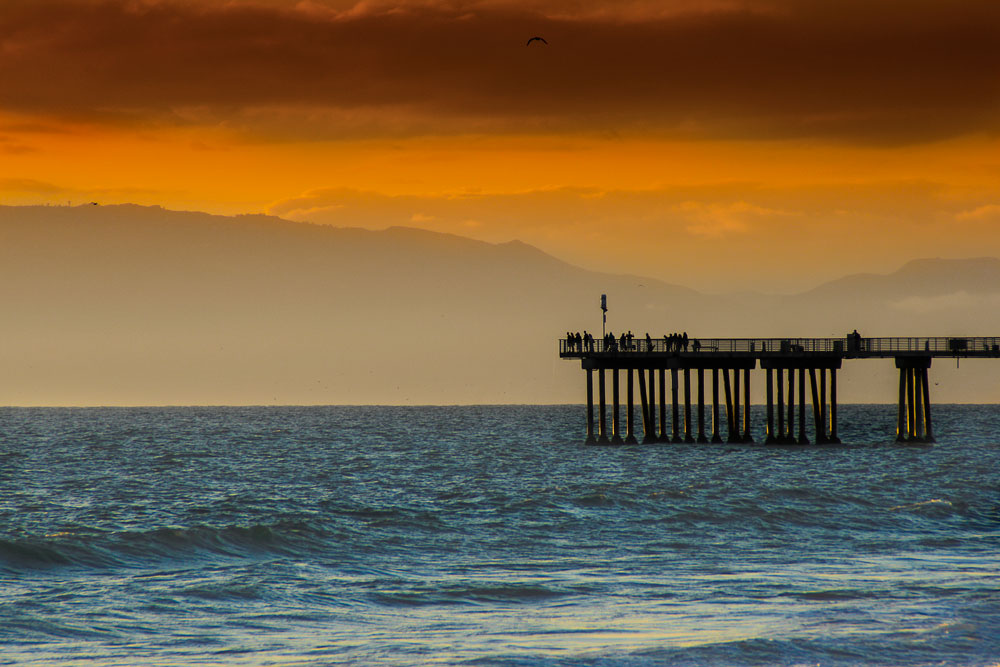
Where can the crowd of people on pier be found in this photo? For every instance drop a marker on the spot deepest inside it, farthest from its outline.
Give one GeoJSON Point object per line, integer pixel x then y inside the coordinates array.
{"type": "Point", "coordinates": [576, 342]}
{"type": "Point", "coordinates": [675, 342]}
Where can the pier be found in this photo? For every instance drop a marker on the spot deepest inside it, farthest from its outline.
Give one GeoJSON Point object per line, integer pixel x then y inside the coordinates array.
{"type": "Point", "coordinates": [800, 374]}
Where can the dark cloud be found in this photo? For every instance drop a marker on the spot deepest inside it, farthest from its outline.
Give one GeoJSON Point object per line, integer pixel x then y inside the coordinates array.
{"type": "Point", "coordinates": [894, 71]}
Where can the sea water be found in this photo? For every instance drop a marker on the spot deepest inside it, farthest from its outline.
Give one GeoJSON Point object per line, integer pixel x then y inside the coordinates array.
{"type": "Point", "coordinates": [489, 536]}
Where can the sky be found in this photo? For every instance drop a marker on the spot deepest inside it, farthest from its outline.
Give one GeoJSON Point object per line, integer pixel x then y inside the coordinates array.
{"type": "Point", "coordinates": [722, 145]}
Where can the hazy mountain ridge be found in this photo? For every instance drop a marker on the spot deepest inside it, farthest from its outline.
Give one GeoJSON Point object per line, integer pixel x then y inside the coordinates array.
{"type": "Point", "coordinates": [927, 277]}
{"type": "Point", "coordinates": [130, 304]}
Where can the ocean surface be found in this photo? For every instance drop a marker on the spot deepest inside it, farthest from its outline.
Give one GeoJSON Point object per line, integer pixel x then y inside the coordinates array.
{"type": "Point", "coordinates": [489, 536]}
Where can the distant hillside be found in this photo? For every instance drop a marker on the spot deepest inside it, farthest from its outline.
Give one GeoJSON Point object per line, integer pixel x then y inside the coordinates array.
{"type": "Point", "coordinates": [944, 296]}
{"type": "Point", "coordinates": [924, 277]}
{"type": "Point", "coordinates": [105, 301]}
{"type": "Point", "coordinates": [140, 305]}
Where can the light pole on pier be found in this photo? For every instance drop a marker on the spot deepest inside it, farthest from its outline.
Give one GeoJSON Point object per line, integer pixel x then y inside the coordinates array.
{"type": "Point", "coordinates": [604, 314]}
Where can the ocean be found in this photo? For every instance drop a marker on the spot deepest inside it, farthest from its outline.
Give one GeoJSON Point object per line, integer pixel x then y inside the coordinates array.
{"type": "Point", "coordinates": [489, 536]}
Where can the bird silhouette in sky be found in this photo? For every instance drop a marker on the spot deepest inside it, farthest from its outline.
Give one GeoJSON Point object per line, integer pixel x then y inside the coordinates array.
{"type": "Point", "coordinates": [540, 39]}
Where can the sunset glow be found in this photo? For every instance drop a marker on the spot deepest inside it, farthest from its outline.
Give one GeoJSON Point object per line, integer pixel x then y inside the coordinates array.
{"type": "Point", "coordinates": [685, 141]}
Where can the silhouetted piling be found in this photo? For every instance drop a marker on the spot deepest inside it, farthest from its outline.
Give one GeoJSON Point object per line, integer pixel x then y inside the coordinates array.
{"type": "Point", "coordinates": [590, 407]}
{"type": "Point", "coordinates": [716, 436]}
{"type": "Point", "coordinates": [602, 435]}
{"type": "Point", "coordinates": [629, 416]}
{"type": "Point", "coordinates": [747, 436]}
{"type": "Point", "coordinates": [663, 406]}
{"type": "Point", "coordinates": [616, 437]}
{"type": "Point", "coordinates": [701, 405]}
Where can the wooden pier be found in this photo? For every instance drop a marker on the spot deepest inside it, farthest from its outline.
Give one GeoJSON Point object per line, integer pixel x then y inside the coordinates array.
{"type": "Point", "coordinates": [788, 365]}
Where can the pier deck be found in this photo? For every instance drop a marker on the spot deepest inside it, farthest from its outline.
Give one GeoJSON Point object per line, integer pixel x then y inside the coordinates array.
{"type": "Point", "coordinates": [807, 358]}
{"type": "Point", "coordinates": [769, 348]}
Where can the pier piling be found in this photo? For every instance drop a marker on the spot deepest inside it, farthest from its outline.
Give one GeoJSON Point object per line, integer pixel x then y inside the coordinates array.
{"type": "Point", "coordinates": [602, 435]}
{"type": "Point", "coordinates": [747, 435]}
{"type": "Point", "coordinates": [701, 406]}
{"type": "Point", "coordinates": [647, 437]}
{"type": "Point", "coordinates": [833, 407]}
{"type": "Point", "coordinates": [769, 432]}
{"type": "Point", "coordinates": [823, 412]}
{"type": "Point", "coordinates": [817, 412]}
{"type": "Point", "coordinates": [663, 406]}
{"type": "Point", "coordinates": [803, 440]}
{"type": "Point", "coordinates": [688, 437]}
{"type": "Point", "coordinates": [781, 408]}
{"type": "Point", "coordinates": [790, 436]}
{"type": "Point", "coordinates": [913, 419]}
{"type": "Point", "coordinates": [734, 433]}
{"type": "Point", "coordinates": [928, 431]}
{"type": "Point", "coordinates": [590, 407]}
{"type": "Point", "coordinates": [675, 405]}
{"type": "Point", "coordinates": [616, 436]}
{"type": "Point", "coordinates": [629, 416]}
{"type": "Point", "coordinates": [716, 436]}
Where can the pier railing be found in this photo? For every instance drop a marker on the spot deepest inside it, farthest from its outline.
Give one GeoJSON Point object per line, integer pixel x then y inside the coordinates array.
{"type": "Point", "coordinates": [849, 346]}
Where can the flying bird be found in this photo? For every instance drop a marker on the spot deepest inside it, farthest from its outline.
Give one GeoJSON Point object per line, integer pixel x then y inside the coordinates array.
{"type": "Point", "coordinates": [540, 39]}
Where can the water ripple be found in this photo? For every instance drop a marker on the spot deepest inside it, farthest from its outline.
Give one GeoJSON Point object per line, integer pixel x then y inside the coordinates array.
{"type": "Point", "coordinates": [488, 535]}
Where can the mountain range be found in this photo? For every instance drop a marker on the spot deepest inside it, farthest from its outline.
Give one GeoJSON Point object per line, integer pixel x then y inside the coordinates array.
{"type": "Point", "coordinates": [131, 305]}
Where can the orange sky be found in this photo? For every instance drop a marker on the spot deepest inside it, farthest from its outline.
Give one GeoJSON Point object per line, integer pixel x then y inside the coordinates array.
{"type": "Point", "coordinates": [720, 145]}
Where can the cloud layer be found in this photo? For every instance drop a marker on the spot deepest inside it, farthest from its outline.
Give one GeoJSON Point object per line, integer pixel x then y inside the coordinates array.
{"type": "Point", "coordinates": [888, 72]}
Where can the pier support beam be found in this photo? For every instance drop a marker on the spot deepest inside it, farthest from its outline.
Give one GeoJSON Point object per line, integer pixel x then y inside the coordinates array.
{"type": "Point", "coordinates": [647, 436]}
{"type": "Point", "coordinates": [688, 437]}
{"type": "Point", "coordinates": [729, 406]}
{"type": "Point", "coordinates": [833, 407]}
{"type": "Point", "coordinates": [590, 407]}
{"type": "Point", "coordinates": [817, 412]}
{"type": "Point", "coordinates": [918, 405]}
{"type": "Point", "coordinates": [901, 408]}
{"type": "Point", "coordinates": [652, 406]}
{"type": "Point", "coordinates": [769, 430]}
{"type": "Point", "coordinates": [736, 434]}
{"type": "Point", "coordinates": [911, 422]}
{"type": "Point", "coordinates": [716, 437]}
{"type": "Point", "coordinates": [781, 407]}
{"type": "Point", "coordinates": [616, 436]}
{"type": "Point", "coordinates": [747, 436]}
{"type": "Point", "coordinates": [701, 405]}
{"type": "Point", "coordinates": [913, 410]}
{"type": "Point", "coordinates": [602, 435]}
{"type": "Point", "coordinates": [928, 431]}
{"type": "Point", "coordinates": [791, 407]}
{"type": "Point", "coordinates": [780, 432]}
{"type": "Point", "coordinates": [803, 440]}
{"type": "Point", "coordinates": [629, 416]}
{"type": "Point", "coordinates": [823, 412]}
{"type": "Point", "coordinates": [663, 406]}
{"type": "Point", "coordinates": [675, 405]}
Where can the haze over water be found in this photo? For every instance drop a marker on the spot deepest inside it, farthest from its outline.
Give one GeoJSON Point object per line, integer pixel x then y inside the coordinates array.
{"type": "Point", "coordinates": [489, 535]}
